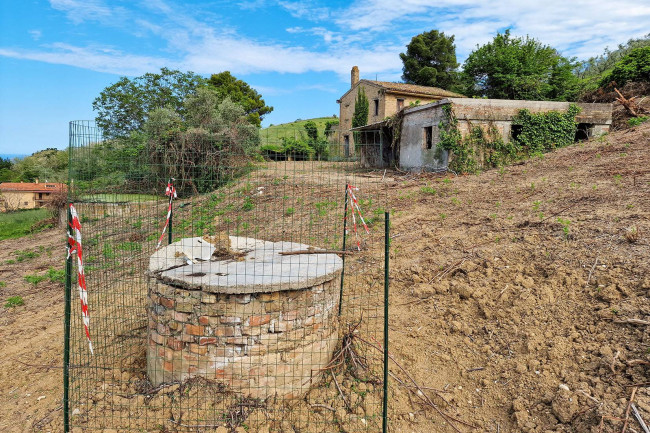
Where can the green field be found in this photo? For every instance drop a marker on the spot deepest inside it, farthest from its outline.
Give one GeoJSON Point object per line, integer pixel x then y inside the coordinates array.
{"type": "Point", "coordinates": [119, 198]}
{"type": "Point", "coordinates": [296, 129]}
{"type": "Point", "coordinates": [18, 223]}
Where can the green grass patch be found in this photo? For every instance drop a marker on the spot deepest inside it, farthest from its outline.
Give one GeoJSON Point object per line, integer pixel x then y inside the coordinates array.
{"type": "Point", "coordinates": [14, 301]}
{"type": "Point", "coordinates": [35, 279]}
{"type": "Point", "coordinates": [120, 198]}
{"type": "Point", "coordinates": [56, 275]}
{"type": "Point", "coordinates": [129, 246]}
{"type": "Point", "coordinates": [273, 134]}
{"type": "Point", "coordinates": [18, 224]}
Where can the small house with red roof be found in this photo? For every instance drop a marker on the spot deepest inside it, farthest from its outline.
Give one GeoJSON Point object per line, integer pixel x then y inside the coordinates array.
{"type": "Point", "coordinates": [24, 195]}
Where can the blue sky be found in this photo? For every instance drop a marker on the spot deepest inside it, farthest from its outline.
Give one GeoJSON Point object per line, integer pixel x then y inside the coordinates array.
{"type": "Point", "coordinates": [57, 55]}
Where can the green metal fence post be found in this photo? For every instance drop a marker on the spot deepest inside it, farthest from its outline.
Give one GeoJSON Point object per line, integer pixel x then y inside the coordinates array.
{"type": "Point", "coordinates": [171, 215]}
{"type": "Point", "coordinates": [66, 336]}
{"type": "Point", "coordinates": [345, 230]}
{"type": "Point", "coordinates": [386, 261]}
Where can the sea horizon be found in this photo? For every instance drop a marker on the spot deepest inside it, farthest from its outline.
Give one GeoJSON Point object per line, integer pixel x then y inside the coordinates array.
{"type": "Point", "coordinates": [12, 155]}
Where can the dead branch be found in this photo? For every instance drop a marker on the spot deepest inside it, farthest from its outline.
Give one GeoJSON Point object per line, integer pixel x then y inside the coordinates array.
{"type": "Point", "coordinates": [627, 411]}
{"type": "Point", "coordinates": [633, 321]}
{"type": "Point", "coordinates": [629, 104]}
{"type": "Point", "coordinates": [294, 253]}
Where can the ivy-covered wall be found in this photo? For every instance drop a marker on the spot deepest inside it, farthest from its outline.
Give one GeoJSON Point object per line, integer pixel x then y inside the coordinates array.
{"type": "Point", "coordinates": [482, 144]}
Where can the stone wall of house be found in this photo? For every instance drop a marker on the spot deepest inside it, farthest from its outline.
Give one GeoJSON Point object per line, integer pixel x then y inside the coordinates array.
{"type": "Point", "coordinates": [346, 110]}
{"type": "Point", "coordinates": [14, 200]}
{"type": "Point", "coordinates": [487, 113]}
{"type": "Point", "coordinates": [258, 344]}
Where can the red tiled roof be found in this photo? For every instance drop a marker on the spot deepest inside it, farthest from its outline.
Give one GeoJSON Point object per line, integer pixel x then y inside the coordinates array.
{"type": "Point", "coordinates": [33, 187]}
{"type": "Point", "coordinates": [413, 88]}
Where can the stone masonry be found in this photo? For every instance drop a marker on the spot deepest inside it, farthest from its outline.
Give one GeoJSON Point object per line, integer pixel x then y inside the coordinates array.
{"type": "Point", "coordinates": [260, 344]}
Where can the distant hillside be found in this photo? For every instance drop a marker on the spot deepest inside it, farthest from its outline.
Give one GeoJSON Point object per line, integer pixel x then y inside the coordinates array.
{"type": "Point", "coordinates": [296, 129]}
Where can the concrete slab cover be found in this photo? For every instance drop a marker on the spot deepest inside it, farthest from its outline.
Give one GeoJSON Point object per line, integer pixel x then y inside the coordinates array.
{"type": "Point", "coordinates": [262, 269]}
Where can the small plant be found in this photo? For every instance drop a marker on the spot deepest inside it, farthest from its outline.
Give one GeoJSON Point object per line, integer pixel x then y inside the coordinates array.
{"type": "Point", "coordinates": [632, 234]}
{"type": "Point", "coordinates": [2, 284]}
{"type": "Point", "coordinates": [107, 251]}
{"type": "Point", "coordinates": [446, 180]}
{"type": "Point", "coordinates": [35, 279]}
{"type": "Point", "coordinates": [532, 186]}
{"type": "Point", "coordinates": [536, 205]}
{"type": "Point", "coordinates": [455, 200]}
{"type": "Point", "coordinates": [614, 311]}
{"type": "Point", "coordinates": [25, 255]}
{"type": "Point", "coordinates": [290, 211]}
{"type": "Point", "coordinates": [14, 301]}
{"type": "Point", "coordinates": [636, 121]}
{"type": "Point", "coordinates": [428, 190]}
{"type": "Point", "coordinates": [565, 226]}
{"type": "Point", "coordinates": [129, 246]}
{"type": "Point", "coordinates": [617, 179]}
{"type": "Point", "coordinates": [443, 216]}
{"type": "Point", "coordinates": [56, 275]}
{"type": "Point", "coordinates": [248, 204]}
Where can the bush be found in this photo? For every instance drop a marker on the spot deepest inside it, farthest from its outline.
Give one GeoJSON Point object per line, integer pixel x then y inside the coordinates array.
{"type": "Point", "coordinates": [298, 149]}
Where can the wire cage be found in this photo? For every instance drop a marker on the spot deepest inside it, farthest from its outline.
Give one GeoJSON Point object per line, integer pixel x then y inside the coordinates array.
{"type": "Point", "coordinates": [223, 287]}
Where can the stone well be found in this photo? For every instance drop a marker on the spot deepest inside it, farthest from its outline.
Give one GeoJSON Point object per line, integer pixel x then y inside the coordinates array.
{"type": "Point", "coordinates": [263, 324]}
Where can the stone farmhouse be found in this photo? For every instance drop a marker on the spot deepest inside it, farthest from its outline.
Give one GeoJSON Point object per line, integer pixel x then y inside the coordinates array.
{"type": "Point", "coordinates": [416, 148]}
{"type": "Point", "coordinates": [385, 99]}
{"type": "Point", "coordinates": [20, 195]}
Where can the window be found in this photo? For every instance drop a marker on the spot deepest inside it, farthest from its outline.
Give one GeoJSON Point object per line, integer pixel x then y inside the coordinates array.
{"type": "Point", "coordinates": [376, 107]}
{"type": "Point", "coordinates": [427, 143]}
{"type": "Point", "coordinates": [400, 103]}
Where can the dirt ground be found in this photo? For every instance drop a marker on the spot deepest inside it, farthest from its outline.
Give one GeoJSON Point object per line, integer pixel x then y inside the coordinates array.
{"type": "Point", "coordinates": [519, 299]}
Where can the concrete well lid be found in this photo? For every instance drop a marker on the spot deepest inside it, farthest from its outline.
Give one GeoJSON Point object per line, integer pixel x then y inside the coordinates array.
{"type": "Point", "coordinates": [261, 270]}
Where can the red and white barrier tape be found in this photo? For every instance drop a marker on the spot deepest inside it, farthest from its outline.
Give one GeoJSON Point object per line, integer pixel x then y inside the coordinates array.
{"type": "Point", "coordinates": [74, 243]}
{"type": "Point", "coordinates": [356, 209]}
{"type": "Point", "coordinates": [170, 191]}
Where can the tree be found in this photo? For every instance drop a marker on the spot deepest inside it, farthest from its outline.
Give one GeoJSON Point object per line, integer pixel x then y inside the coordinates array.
{"type": "Point", "coordinates": [123, 107]}
{"type": "Point", "coordinates": [600, 65]}
{"type": "Point", "coordinates": [430, 60]}
{"type": "Point", "coordinates": [239, 92]}
{"type": "Point", "coordinates": [209, 146]}
{"type": "Point", "coordinates": [312, 130]}
{"type": "Point", "coordinates": [519, 68]}
{"type": "Point", "coordinates": [635, 66]}
{"type": "Point", "coordinates": [360, 116]}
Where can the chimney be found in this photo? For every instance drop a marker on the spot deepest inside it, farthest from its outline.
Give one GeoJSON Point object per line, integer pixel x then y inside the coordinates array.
{"type": "Point", "coordinates": [36, 181]}
{"type": "Point", "coordinates": [355, 76]}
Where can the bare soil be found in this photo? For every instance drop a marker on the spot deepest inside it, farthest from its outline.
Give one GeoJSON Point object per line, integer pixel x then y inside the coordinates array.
{"type": "Point", "coordinates": [519, 298]}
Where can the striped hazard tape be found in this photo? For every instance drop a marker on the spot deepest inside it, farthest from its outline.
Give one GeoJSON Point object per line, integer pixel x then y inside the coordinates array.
{"type": "Point", "coordinates": [170, 191]}
{"type": "Point", "coordinates": [355, 209]}
{"type": "Point", "coordinates": [74, 246]}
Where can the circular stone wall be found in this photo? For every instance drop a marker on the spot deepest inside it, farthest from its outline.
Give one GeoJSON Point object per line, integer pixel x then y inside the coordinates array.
{"type": "Point", "coordinates": [263, 324]}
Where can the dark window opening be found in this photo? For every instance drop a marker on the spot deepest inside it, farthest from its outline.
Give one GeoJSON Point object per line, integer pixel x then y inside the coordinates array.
{"type": "Point", "coordinates": [515, 131]}
{"type": "Point", "coordinates": [376, 107]}
{"type": "Point", "coordinates": [584, 131]}
{"type": "Point", "coordinates": [428, 137]}
{"type": "Point", "coordinates": [400, 104]}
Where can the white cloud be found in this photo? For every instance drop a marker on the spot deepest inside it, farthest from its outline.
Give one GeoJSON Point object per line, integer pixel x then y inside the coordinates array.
{"type": "Point", "coordinates": [565, 25]}
{"type": "Point", "coordinates": [79, 11]}
{"type": "Point", "coordinates": [370, 34]}
{"type": "Point", "coordinates": [35, 34]}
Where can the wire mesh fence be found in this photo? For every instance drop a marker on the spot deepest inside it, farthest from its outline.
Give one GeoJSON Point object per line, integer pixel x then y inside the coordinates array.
{"type": "Point", "coordinates": [246, 307]}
